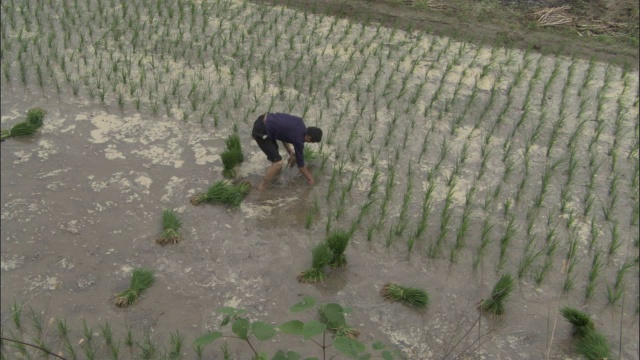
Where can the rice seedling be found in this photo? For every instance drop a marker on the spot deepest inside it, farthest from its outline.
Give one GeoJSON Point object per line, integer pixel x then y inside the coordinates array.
{"type": "Point", "coordinates": [170, 225]}
{"type": "Point", "coordinates": [106, 332]}
{"type": "Point", "coordinates": [485, 240]}
{"type": "Point", "coordinates": [222, 192]}
{"type": "Point", "coordinates": [147, 346]}
{"type": "Point", "coordinates": [36, 321]}
{"type": "Point", "coordinates": [528, 258]}
{"type": "Point", "coordinates": [505, 241]}
{"type": "Point", "coordinates": [580, 321]}
{"type": "Point", "coordinates": [63, 328]}
{"type": "Point", "coordinates": [411, 296]}
{"type": "Point", "coordinates": [615, 243]}
{"type": "Point", "coordinates": [88, 332]}
{"type": "Point", "coordinates": [321, 257]}
{"type": "Point", "coordinates": [593, 346]}
{"type": "Point", "coordinates": [141, 280]}
{"type": "Point", "coordinates": [499, 294]}
{"type": "Point", "coordinates": [594, 273]}
{"type": "Point", "coordinates": [16, 313]}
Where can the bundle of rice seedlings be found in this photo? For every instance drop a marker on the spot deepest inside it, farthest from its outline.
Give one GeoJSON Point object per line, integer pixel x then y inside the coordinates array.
{"type": "Point", "coordinates": [170, 226]}
{"type": "Point", "coordinates": [232, 155]}
{"type": "Point", "coordinates": [35, 119]}
{"type": "Point", "coordinates": [581, 321]}
{"type": "Point", "coordinates": [337, 242]}
{"type": "Point", "coordinates": [411, 296]}
{"type": "Point", "coordinates": [593, 346]}
{"type": "Point", "coordinates": [332, 315]}
{"type": "Point", "coordinates": [321, 256]}
{"type": "Point", "coordinates": [141, 280]}
{"type": "Point", "coordinates": [35, 116]}
{"type": "Point", "coordinates": [502, 289]}
{"type": "Point", "coordinates": [225, 193]}
{"type": "Point", "coordinates": [229, 162]}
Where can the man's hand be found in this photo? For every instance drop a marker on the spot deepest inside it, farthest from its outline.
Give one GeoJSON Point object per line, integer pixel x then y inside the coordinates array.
{"type": "Point", "coordinates": [311, 181]}
{"type": "Point", "coordinates": [292, 161]}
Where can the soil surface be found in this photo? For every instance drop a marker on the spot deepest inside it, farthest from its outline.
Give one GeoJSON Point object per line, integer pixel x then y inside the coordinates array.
{"type": "Point", "coordinates": [509, 23]}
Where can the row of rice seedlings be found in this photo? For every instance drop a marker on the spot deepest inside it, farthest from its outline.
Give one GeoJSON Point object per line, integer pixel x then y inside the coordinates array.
{"type": "Point", "coordinates": [571, 261]}
{"type": "Point", "coordinates": [435, 248]}
{"type": "Point", "coordinates": [402, 222]}
{"type": "Point", "coordinates": [485, 240]}
{"type": "Point", "coordinates": [463, 227]}
{"type": "Point", "coordinates": [594, 273]}
{"type": "Point", "coordinates": [506, 239]}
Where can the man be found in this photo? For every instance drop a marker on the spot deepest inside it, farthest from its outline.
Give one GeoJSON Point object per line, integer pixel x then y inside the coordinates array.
{"type": "Point", "coordinates": [291, 130]}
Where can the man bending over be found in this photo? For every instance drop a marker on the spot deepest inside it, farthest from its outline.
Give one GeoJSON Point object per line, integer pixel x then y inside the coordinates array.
{"type": "Point", "coordinates": [291, 130]}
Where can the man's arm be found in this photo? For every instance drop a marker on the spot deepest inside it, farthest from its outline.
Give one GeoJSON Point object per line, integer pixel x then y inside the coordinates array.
{"type": "Point", "coordinates": [308, 175]}
{"type": "Point", "coordinates": [292, 158]}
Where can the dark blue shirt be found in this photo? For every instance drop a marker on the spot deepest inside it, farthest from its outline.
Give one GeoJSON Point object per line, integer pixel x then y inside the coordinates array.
{"type": "Point", "coordinates": [290, 129]}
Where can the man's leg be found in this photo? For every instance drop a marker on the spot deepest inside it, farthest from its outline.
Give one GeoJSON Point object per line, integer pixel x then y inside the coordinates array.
{"type": "Point", "coordinates": [271, 172]}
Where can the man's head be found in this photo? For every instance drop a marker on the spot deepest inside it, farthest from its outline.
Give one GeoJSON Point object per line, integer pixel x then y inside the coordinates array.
{"type": "Point", "coordinates": [313, 135]}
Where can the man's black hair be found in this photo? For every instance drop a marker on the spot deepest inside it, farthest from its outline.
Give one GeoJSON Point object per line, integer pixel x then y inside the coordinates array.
{"type": "Point", "coordinates": [315, 133]}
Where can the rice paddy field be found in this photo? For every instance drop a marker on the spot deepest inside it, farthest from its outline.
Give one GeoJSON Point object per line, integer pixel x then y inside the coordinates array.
{"type": "Point", "coordinates": [449, 163]}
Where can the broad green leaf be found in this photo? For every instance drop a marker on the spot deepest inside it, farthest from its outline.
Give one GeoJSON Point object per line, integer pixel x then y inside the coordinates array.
{"type": "Point", "coordinates": [228, 310]}
{"type": "Point", "coordinates": [262, 330]}
{"type": "Point", "coordinates": [313, 328]}
{"type": "Point", "coordinates": [208, 338]}
{"type": "Point", "coordinates": [292, 327]}
{"type": "Point", "coordinates": [306, 303]}
{"type": "Point", "coordinates": [387, 355]}
{"type": "Point", "coordinates": [240, 327]}
{"type": "Point", "coordinates": [290, 355]}
{"type": "Point", "coordinates": [347, 346]}
{"type": "Point", "coordinates": [366, 356]}
{"type": "Point", "coordinates": [225, 320]}
{"type": "Point", "coordinates": [334, 313]}
{"type": "Point", "coordinates": [263, 356]}
{"type": "Point", "coordinates": [378, 345]}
